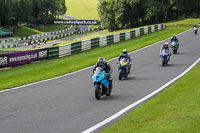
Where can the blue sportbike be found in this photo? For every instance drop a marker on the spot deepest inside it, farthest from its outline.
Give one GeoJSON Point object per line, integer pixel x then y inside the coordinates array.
{"type": "Point", "coordinates": [123, 68]}
{"type": "Point", "coordinates": [101, 83]}
{"type": "Point", "coordinates": [165, 57]}
{"type": "Point", "coordinates": [174, 47]}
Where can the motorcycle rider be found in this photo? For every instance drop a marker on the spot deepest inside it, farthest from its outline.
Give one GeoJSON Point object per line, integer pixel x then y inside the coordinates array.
{"type": "Point", "coordinates": [106, 67]}
{"type": "Point", "coordinates": [125, 55]}
{"type": "Point", "coordinates": [166, 47]}
{"type": "Point", "coordinates": [195, 27]}
{"type": "Point", "coordinates": [174, 39]}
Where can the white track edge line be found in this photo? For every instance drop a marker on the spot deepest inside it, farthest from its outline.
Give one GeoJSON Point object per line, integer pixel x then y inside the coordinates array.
{"type": "Point", "coordinates": [97, 126]}
{"type": "Point", "coordinates": [15, 88]}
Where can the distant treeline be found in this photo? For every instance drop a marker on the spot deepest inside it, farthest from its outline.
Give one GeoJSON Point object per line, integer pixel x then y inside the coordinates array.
{"type": "Point", "coordinates": [16, 12]}
{"type": "Point", "coordinates": [121, 14]}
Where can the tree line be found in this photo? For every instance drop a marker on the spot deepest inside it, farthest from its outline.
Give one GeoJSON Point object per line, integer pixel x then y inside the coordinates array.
{"type": "Point", "coordinates": [121, 14]}
{"type": "Point", "coordinates": [13, 13]}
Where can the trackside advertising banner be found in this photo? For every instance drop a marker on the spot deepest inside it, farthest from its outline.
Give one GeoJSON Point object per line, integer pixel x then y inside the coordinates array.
{"type": "Point", "coordinates": [21, 58]}
{"type": "Point", "coordinates": [69, 22]}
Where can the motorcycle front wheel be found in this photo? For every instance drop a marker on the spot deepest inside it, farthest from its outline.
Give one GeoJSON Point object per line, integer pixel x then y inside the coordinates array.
{"type": "Point", "coordinates": [120, 74]}
{"type": "Point", "coordinates": [163, 62]}
{"type": "Point", "coordinates": [97, 91]}
{"type": "Point", "coordinates": [174, 52]}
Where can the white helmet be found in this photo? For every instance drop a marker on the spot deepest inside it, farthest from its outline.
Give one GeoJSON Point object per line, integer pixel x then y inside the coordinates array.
{"type": "Point", "coordinates": [166, 43]}
{"type": "Point", "coordinates": [125, 51]}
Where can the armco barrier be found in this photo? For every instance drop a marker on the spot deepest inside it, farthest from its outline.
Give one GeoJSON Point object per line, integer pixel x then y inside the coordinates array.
{"type": "Point", "coordinates": [86, 45]}
{"type": "Point", "coordinates": [116, 38]}
{"type": "Point", "coordinates": [137, 32]}
{"type": "Point", "coordinates": [145, 30]}
{"type": "Point", "coordinates": [153, 28]}
{"type": "Point", "coordinates": [149, 29]}
{"type": "Point", "coordinates": [132, 34]}
{"type": "Point", "coordinates": [156, 27]}
{"type": "Point", "coordinates": [103, 41]}
{"type": "Point", "coordinates": [94, 43]}
{"type": "Point", "coordinates": [141, 31]}
{"type": "Point", "coordinates": [34, 38]}
{"type": "Point", "coordinates": [106, 40]}
{"type": "Point", "coordinates": [127, 35]}
{"type": "Point", "coordinates": [53, 52]}
{"type": "Point", "coordinates": [76, 47]}
{"type": "Point", "coordinates": [159, 27]}
{"type": "Point", "coordinates": [64, 50]}
{"type": "Point", "coordinates": [122, 36]}
{"type": "Point", "coordinates": [110, 39]}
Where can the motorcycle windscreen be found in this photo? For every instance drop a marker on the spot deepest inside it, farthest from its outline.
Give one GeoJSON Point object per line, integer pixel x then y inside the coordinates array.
{"type": "Point", "coordinates": [164, 53]}
{"type": "Point", "coordinates": [173, 44]}
{"type": "Point", "coordinates": [98, 70]}
{"type": "Point", "coordinates": [124, 61]}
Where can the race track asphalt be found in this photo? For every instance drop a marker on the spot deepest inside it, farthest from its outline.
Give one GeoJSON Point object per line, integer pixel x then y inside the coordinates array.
{"type": "Point", "coordinates": [68, 104]}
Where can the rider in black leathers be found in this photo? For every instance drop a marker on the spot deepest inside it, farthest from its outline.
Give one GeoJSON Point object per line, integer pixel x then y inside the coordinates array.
{"type": "Point", "coordinates": [106, 67]}
{"type": "Point", "coordinates": [175, 40]}
{"type": "Point", "coordinates": [125, 55]}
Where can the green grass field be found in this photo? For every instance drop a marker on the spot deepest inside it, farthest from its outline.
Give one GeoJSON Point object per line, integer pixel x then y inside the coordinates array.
{"type": "Point", "coordinates": [51, 68]}
{"type": "Point", "coordinates": [175, 110]}
{"type": "Point", "coordinates": [26, 31]}
{"type": "Point", "coordinates": [83, 9]}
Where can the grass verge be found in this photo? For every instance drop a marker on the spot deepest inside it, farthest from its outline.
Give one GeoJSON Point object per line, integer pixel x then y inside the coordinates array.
{"type": "Point", "coordinates": [175, 110]}
{"type": "Point", "coordinates": [83, 9]}
{"type": "Point", "coordinates": [47, 69]}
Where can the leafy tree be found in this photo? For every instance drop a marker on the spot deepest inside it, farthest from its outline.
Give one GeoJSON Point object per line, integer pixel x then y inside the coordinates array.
{"type": "Point", "coordinates": [107, 15]}
{"type": "Point", "coordinates": [13, 13]}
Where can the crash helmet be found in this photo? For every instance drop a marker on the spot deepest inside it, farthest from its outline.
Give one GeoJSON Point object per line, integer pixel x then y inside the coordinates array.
{"type": "Point", "coordinates": [174, 36]}
{"type": "Point", "coordinates": [125, 51]}
{"type": "Point", "coordinates": [101, 61]}
{"type": "Point", "coordinates": [166, 45]}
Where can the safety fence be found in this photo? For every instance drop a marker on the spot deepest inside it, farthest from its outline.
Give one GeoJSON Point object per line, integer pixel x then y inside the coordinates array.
{"type": "Point", "coordinates": [24, 41]}
{"type": "Point", "coordinates": [25, 57]}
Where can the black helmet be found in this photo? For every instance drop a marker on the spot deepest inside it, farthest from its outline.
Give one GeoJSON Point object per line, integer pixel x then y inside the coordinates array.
{"type": "Point", "coordinates": [101, 61]}
{"type": "Point", "coordinates": [125, 51]}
